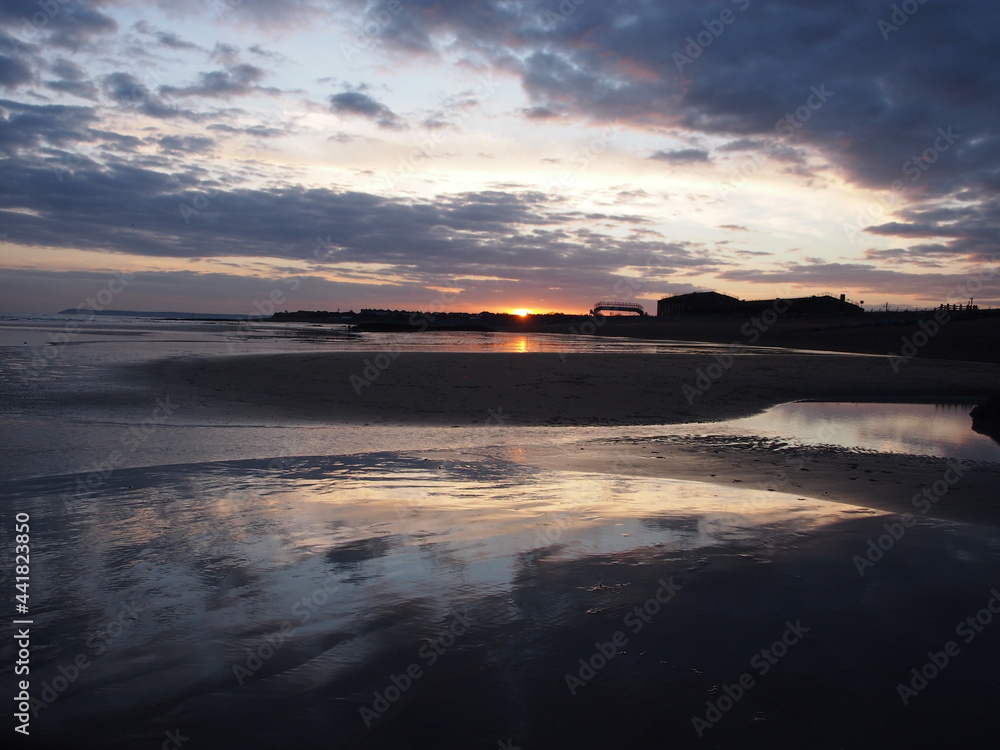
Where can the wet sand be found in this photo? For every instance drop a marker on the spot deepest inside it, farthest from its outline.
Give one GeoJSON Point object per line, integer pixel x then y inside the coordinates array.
{"type": "Point", "coordinates": [279, 599]}
{"type": "Point", "coordinates": [391, 601]}
{"type": "Point", "coordinates": [538, 389]}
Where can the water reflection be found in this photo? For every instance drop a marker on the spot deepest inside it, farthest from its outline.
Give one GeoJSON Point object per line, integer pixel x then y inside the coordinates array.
{"type": "Point", "coordinates": [322, 580]}
{"type": "Point", "coordinates": [923, 429]}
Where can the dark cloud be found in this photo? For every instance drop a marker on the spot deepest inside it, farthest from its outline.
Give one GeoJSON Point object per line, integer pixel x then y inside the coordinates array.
{"type": "Point", "coordinates": [81, 89]}
{"type": "Point", "coordinates": [878, 284]}
{"type": "Point", "coordinates": [68, 70]}
{"type": "Point", "coordinates": [13, 72]}
{"type": "Point", "coordinates": [360, 104]}
{"type": "Point", "coordinates": [227, 54]}
{"type": "Point", "coordinates": [254, 131]}
{"type": "Point", "coordinates": [971, 232]}
{"type": "Point", "coordinates": [128, 91]}
{"type": "Point", "coordinates": [524, 237]}
{"type": "Point", "coordinates": [72, 80]}
{"type": "Point", "coordinates": [270, 55]}
{"type": "Point", "coordinates": [823, 77]}
{"type": "Point", "coordinates": [681, 156]}
{"type": "Point", "coordinates": [241, 79]}
{"type": "Point", "coordinates": [168, 39]}
{"type": "Point", "coordinates": [188, 144]}
{"type": "Point", "coordinates": [25, 126]}
{"type": "Point", "coordinates": [540, 113]}
{"type": "Point", "coordinates": [69, 24]}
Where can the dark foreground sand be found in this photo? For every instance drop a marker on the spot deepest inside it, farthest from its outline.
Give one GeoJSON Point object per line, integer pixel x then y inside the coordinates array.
{"type": "Point", "coordinates": [544, 389]}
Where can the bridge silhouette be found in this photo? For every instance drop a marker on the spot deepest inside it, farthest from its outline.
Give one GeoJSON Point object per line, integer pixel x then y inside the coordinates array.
{"type": "Point", "coordinates": [633, 307]}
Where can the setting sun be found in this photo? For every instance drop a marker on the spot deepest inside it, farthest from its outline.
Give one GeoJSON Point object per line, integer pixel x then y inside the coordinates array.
{"type": "Point", "coordinates": [522, 312]}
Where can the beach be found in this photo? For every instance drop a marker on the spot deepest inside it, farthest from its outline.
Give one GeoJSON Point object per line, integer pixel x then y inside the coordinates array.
{"type": "Point", "coordinates": [543, 545]}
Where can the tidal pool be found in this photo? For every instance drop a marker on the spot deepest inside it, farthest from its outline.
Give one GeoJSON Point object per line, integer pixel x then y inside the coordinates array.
{"type": "Point", "coordinates": [923, 429]}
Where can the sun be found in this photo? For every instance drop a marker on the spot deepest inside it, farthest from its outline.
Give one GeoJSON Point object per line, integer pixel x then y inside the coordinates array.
{"type": "Point", "coordinates": [522, 312]}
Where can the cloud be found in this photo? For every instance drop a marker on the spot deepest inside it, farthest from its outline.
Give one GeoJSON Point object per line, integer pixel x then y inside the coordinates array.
{"type": "Point", "coordinates": [121, 208]}
{"type": "Point", "coordinates": [972, 232]}
{"type": "Point", "coordinates": [13, 72]}
{"type": "Point", "coordinates": [540, 113]}
{"type": "Point", "coordinates": [238, 80]}
{"type": "Point", "coordinates": [69, 24]}
{"type": "Point", "coordinates": [168, 39]}
{"type": "Point", "coordinates": [882, 101]}
{"type": "Point", "coordinates": [877, 284]}
{"type": "Point", "coordinates": [26, 126]}
{"type": "Point", "coordinates": [188, 144]}
{"type": "Point", "coordinates": [681, 156]}
{"type": "Point", "coordinates": [734, 227]}
{"type": "Point", "coordinates": [361, 105]}
{"type": "Point", "coordinates": [127, 90]}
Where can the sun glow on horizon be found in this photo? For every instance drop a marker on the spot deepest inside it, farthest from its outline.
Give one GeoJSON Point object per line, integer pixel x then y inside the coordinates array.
{"type": "Point", "coordinates": [522, 312]}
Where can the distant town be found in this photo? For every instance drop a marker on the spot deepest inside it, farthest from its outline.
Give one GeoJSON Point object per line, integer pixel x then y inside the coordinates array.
{"type": "Point", "coordinates": [693, 304]}
{"type": "Point", "coordinates": [701, 304]}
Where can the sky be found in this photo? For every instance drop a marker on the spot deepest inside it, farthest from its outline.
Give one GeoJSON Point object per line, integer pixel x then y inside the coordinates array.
{"type": "Point", "coordinates": [241, 156]}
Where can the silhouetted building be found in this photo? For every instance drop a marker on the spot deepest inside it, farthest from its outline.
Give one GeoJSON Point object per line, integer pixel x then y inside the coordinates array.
{"type": "Point", "coordinates": [698, 303]}
{"type": "Point", "coordinates": [713, 303]}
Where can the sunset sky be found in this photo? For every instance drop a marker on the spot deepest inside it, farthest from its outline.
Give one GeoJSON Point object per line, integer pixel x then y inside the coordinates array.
{"type": "Point", "coordinates": [495, 154]}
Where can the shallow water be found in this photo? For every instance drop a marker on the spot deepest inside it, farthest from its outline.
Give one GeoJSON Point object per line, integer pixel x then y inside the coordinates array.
{"type": "Point", "coordinates": [921, 429]}
{"type": "Point", "coordinates": [249, 604]}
